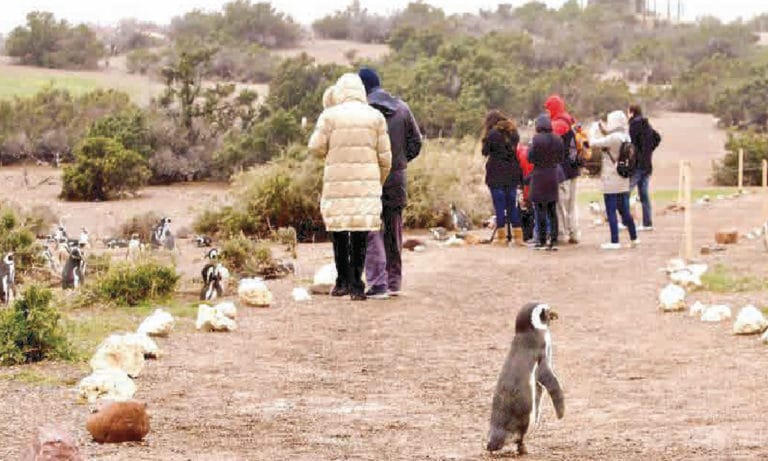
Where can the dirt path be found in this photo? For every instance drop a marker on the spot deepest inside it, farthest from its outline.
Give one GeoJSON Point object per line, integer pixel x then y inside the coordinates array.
{"type": "Point", "coordinates": [412, 378]}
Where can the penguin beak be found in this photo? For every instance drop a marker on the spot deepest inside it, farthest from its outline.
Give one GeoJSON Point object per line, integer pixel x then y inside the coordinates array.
{"type": "Point", "coordinates": [553, 315]}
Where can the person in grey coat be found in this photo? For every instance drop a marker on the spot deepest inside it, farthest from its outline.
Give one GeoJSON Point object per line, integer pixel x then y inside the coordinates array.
{"type": "Point", "coordinates": [383, 264]}
{"type": "Point", "coordinates": [608, 140]}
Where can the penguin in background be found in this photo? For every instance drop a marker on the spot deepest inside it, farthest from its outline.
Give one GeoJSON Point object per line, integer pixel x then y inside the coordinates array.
{"type": "Point", "coordinates": [7, 279]}
{"type": "Point", "coordinates": [526, 373]}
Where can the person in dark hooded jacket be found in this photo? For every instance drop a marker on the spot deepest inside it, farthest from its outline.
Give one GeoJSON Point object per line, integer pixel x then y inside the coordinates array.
{"type": "Point", "coordinates": [546, 153]}
{"type": "Point", "coordinates": [383, 266]}
{"type": "Point", "coordinates": [645, 143]}
{"type": "Point", "coordinates": [503, 174]}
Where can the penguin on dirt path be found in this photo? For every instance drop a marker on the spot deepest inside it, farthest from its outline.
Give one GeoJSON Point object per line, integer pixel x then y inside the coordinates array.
{"type": "Point", "coordinates": [526, 373]}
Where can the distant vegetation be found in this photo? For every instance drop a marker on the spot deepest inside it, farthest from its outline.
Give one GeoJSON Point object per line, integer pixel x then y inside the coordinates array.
{"type": "Point", "coordinates": [46, 42]}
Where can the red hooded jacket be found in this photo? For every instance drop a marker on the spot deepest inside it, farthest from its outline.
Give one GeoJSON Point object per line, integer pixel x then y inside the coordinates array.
{"type": "Point", "coordinates": [525, 166]}
{"type": "Point", "coordinates": [555, 105]}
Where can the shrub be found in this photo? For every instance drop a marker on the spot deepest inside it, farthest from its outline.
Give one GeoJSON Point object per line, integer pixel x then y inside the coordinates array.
{"type": "Point", "coordinates": [128, 284]}
{"type": "Point", "coordinates": [143, 225]}
{"type": "Point", "coordinates": [103, 170]}
{"type": "Point", "coordinates": [143, 61]}
{"type": "Point", "coordinates": [442, 175]}
{"type": "Point", "coordinates": [248, 258]}
{"type": "Point", "coordinates": [16, 236]}
{"type": "Point", "coordinates": [726, 171]}
{"type": "Point", "coordinates": [30, 330]}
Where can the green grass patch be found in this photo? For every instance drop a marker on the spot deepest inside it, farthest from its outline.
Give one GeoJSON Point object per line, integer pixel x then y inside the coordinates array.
{"type": "Point", "coordinates": [86, 329]}
{"type": "Point", "coordinates": [664, 196]}
{"type": "Point", "coordinates": [721, 279]}
{"type": "Point", "coordinates": [34, 378]}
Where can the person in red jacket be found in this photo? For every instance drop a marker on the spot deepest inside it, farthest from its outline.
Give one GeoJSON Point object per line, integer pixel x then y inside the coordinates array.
{"type": "Point", "coordinates": [526, 207]}
{"type": "Point", "coordinates": [562, 125]}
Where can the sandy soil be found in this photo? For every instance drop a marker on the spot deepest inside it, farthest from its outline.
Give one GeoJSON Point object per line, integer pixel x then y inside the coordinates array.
{"type": "Point", "coordinates": [412, 378]}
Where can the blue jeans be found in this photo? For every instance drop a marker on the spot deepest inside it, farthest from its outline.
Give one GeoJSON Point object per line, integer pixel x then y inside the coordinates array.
{"type": "Point", "coordinates": [619, 203]}
{"type": "Point", "coordinates": [505, 205]}
{"type": "Point", "coordinates": [642, 180]}
{"type": "Point", "coordinates": [536, 223]}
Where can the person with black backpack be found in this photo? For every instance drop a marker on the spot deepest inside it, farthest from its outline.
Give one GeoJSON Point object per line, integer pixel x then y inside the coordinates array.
{"type": "Point", "coordinates": [646, 140]}
{"type": "Point", "coordinates": [618, 165]}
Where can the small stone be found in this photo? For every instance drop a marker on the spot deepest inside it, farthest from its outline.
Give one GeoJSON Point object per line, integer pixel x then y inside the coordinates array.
{"type": "Point", "coordinates": [160, 324]}
{"type": "Point", "coordinates": [764, 339]}
{"type": "Point", "coordinates": [301, 295]}
{"type": "Point", "coordinates": [227, 308]}
{"type": "Point", "coordinates": [706, 250]}
{"type": "Point", "coordinates": [750, 322]}
{"type": "Point", "coordinates": [324, 280]}
{"type": "Point", "coordinates": [697, 309]}
{"type": "Point", "coordinates": [254, 292]}
{"type": "Point", "coordinates": [211, 319]}
{"type": "Point", "coordinates": [716, 314]}
{"type": "Point", "coordinates": [52, 443]}
{"type": "Point", "coordinates": [122, 352]}
{"type": "Point", "coordinates": [727, 237]}
{"type": "Point", "coordinates": [118, 422]}
{"type": "Point", "coordinates": [411, 244]}
{"type": "Point", "coordinates": [109, 384]}
{"type": "Point", "coordinates": [672, 298]}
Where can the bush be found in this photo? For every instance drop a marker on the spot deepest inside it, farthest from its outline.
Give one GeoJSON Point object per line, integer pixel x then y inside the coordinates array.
{"type": "Point", "coordinates": [46, 42]}
{"type": "Point", "coordinates": [442, 175]}
{"type": "Point", "coordinates": [142, 61]}
{"type": "Point", "coordinates": [248, 258]}
{"type": "Point", "coordinates": [143, 225]}
{"type": "Point", "coordinates": [726, 171]}
{"type": "Point", "coordinates": [16, 235]}
{"type": "Point", "coordinates": [30, 330]}
{"type": "Point", "coordinates": [103, 170]}
{"type": "Point", "coordinates": [128, 284]}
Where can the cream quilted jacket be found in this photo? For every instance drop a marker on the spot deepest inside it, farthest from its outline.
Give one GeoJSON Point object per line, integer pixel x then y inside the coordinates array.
{"type": "Point", "coordinates": [352, 138]}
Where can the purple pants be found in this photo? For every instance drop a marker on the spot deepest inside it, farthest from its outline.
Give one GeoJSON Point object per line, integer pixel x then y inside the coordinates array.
{"type": "Point", "coordinates": [383, 265]}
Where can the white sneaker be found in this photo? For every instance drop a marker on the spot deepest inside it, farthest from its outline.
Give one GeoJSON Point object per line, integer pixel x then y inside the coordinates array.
{"type": "Point", "coordinates": [634, 243]}
{"type": "Point", "coordinates": [644, 229]}
{"type": "Point", "coordinates": [610, 246]}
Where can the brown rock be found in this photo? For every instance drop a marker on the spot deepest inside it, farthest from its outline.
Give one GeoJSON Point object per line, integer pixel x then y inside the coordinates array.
{"type": "Point", "coordinates": [118, 422]}
{"type": "Point", "coordinates": [706, 250]}
{"type": "Point", "coordinates": [52, 443]}
{"type": "Point", "coordinates": [727, 237]}
{"type": "Point", "coordinates": [411, 244]}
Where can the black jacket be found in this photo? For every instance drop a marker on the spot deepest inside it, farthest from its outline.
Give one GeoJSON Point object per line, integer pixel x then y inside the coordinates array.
{"type": "Point", "coordinates": [405, 140]}
{"type": "Point", "coordinates": [546, 153]}
{"type": "Point", "coordinates": [642, 137]}
{"type": "Point", "coordinates": [502, 168]}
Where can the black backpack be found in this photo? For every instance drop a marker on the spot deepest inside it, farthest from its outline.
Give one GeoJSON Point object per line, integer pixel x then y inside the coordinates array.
{"type": "Point", "coordinates": [656, 138]}
{"type": "Point", "coordinates": [627, 163]}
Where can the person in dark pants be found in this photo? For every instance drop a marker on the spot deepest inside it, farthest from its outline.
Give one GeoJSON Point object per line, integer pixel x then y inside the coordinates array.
{"type": "Point", "coordinates": [546, 153]}
{"type": "Point", "coordinates": [383, 264]}
{"type": "Point", "coordinates": [615, 187]}
{"type": "Point", "coordinates": [352, 138]}
{"type": "Point", "coordinates": [645, 142]}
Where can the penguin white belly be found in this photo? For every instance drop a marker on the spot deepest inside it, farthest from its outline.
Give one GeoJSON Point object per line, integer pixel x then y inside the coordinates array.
{"type": "Point", "coordinates": [534, 403]}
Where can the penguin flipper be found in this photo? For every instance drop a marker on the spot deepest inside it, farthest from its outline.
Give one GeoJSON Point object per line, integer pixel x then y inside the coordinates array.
{"type": "Point", "coordinates": [548, 379]}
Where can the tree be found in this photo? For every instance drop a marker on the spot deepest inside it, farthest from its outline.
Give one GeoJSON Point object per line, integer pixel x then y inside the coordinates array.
{"type": "Point", "coordinates": [103, 170]}
{"type": "Point", "coordinates": [46, 42]}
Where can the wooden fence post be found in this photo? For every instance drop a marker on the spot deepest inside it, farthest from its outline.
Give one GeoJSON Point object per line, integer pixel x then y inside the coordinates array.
{"type": "Point", "coordinates": [741, 170]}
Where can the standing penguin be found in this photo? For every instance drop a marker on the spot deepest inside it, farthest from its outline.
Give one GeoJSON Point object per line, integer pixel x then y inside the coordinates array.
{"type": "Point", "coordinates": [73, 274]}
{"type": "Point", "coordinates": [212, 276]}
{"type": "Point", "coordinates": [528, 367]}
{"type": "Point", "coordinates": [7, 279]}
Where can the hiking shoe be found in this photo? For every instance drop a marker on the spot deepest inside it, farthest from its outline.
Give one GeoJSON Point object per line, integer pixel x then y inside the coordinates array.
{"type": "Point", "coordinates": [395, 293]}
{"type": "Point", "coordinates": [645, 228]}
{"type": "Point", "coordinates": [359, 296]}
{"type": "Point", "coordinates": [339, 291]}
{"type": "Point", "coordinates": [634, 243]}
{"type": "Point", "coordinates": [377, 293]}
{"type": "Point", "coordinates": [539, 246]}
{"type": "Point", "coordinates": [552, 247]}
{"type": "Point", "coordinates": [610, 246]}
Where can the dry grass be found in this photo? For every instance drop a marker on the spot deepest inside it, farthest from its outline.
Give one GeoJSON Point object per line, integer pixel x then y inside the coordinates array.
{"type": "Point", "coordinates": [337, 51]}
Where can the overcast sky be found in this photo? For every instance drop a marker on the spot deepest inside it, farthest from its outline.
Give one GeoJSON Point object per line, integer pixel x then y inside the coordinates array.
{"type": "Point", "coordinates": [12, 12]}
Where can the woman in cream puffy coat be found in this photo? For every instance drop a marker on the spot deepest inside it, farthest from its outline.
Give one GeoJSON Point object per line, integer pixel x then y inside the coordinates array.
{"type": "Point", "coordinates": [615, 187]}
{"type": "Point", "coordinates": [352, 138]}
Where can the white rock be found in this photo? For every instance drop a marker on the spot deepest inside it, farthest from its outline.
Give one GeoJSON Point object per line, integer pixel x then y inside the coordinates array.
{"type": "Point", "coordinates": [716, 314]}
{"type": "Point", "coordinates": [697, 309]}
{"type": "Point", "coordinates": [324, 280]}
{"type": "Point", "coordinates": [454, 242]}
{"type": "Point", "coordinates": [109, 384]}
{"type": "Point", "coordinates": [301, 295]}
{"type": "Point", "coordinates": [147, 344]}
{"type": "Point", "coordinates": [211, 319]}
{"type": "Point", "coordinates": [160, 323]}
{"type": "Point", "coordinates": [672, 298]}
{"type": "Point", "coordinates": [674, 265]}
{"type": "Point", "coordinates": [121, 352]}
{"type": "Point", "coordinates": [254, 292]}
{"type": "Point", "coordinates": [420, 249]}
{"type": "Point", "coordinates": [689, 275]}
{"type": "Point", "coordinates": [227, 309]}
{"type": "Point", "coordinates": [764, 339]}
{"type": "Point", "coordinates": [750, 321]}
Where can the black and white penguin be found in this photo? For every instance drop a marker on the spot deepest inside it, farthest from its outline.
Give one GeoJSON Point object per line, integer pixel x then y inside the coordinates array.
{"type": "Point", "coordinates": [73, 274]}
{"type": "Point", "coordinates": [7, 279]}
{"type": "Point", "coordinates": [213, 274]}
{"type": "Point", "coordinates": [528, 368]}
{"type": "Point", "coordinates": [160, 232]}
{"type": "Point", "coordinates": [203, 241]}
